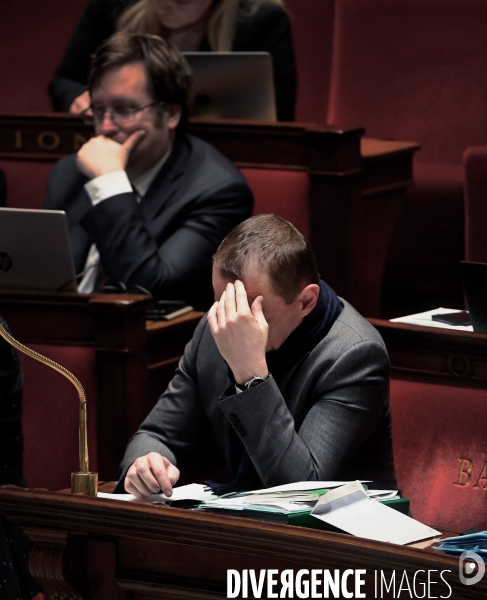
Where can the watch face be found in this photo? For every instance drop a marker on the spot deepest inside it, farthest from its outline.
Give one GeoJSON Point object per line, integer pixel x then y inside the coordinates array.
{"type": "Point", "coordinates": [255, 382]}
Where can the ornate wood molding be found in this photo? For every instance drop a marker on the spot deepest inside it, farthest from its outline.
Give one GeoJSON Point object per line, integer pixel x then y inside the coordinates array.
{"type": "Point", "coordinates": [434, 354]}
{"type": "Point", "coordinates": [160, 551]}
{"type": "Point", "coordinates": [58, 563]}
{"type": "Point", "coordinates": [273, 145]}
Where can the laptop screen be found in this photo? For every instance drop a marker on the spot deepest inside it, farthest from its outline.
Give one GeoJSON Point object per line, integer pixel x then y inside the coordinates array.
{"type": "Point", "coordinates": [35, 252]}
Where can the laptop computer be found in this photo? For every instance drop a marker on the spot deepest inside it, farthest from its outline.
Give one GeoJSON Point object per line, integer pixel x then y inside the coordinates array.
{"type": "Point", "coordinates": [474, 281]}
{"type": "Point", "coordinates": [35, 253]}
{"type": "Point", "coordinates": [233, 85]}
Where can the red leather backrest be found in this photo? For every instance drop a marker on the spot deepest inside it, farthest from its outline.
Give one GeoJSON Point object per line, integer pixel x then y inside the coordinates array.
{"type": "Point", "coordinates": [312, 26]}
{"type": "Point", "coordinates": [33, 36]}
{"type": "Point", "coordinates": [412, 70]}
{"type": "Point", "coordinates": [284, 193]}
{"type": "Point", "coordinates": [440, 451]}
{"type": "Point", "coordinates": [51, 415]}
{"type": "Point", "coordinates": [26, 182]}
{"type": "Point", "coordinates": [475, 165]}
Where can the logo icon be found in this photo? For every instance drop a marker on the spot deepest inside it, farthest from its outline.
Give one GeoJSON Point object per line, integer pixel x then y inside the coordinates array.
{"type": "Point", "coordinates": [5, 262]}
{"type": "Point", "coordinates": [466, 566]}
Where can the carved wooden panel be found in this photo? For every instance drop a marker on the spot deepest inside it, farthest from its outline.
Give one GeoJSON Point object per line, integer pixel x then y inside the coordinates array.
{"type": "Point", "coordinates": [57, 563]}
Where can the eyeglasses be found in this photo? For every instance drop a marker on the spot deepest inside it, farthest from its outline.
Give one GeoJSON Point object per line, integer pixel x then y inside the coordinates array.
{"type": "Point", "coordinates": [123, 115]}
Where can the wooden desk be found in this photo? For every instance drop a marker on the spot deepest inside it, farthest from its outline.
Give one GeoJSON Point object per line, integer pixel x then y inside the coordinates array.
{"type": "Point", "coordinates": [134, 361]}
{"type": "Point", "coordinates": [107, 549]}
{"type": "Point", "coordinates": [436, 355]}
{"type": "Point", "coordinates": [357, 186]}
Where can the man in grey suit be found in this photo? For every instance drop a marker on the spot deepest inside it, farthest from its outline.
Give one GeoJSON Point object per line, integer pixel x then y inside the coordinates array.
{"type": "Point", "coordinates": [291, 380]}
{"type": "Point", "coordinates": [147, 205]}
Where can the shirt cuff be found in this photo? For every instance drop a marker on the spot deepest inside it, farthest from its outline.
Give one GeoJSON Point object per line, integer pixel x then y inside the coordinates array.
{"type": "Point", "coordinates": [108, 185]}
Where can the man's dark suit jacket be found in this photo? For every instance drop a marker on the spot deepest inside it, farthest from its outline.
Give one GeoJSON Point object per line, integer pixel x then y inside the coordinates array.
{"type": "Point", "coordinates": [164, 244]}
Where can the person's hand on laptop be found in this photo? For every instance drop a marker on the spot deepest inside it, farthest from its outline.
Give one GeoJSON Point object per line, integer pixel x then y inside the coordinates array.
{"type": "Point", "coordinates": [151, 474]}
{"type": "Point", "coordinates": [101, 155]}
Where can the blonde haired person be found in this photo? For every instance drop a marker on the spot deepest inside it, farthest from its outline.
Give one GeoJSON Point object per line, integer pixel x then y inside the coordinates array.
{"type": "Point", "coordinates": [192, 25]}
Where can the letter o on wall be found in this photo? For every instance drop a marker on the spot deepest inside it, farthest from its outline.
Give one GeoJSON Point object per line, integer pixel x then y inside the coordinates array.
{"type": "Point", "coordinates": [48, 140]}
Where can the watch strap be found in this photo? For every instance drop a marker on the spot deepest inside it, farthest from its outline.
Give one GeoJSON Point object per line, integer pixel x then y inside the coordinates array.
{"type": "Point", "coordinates": [254, 381]}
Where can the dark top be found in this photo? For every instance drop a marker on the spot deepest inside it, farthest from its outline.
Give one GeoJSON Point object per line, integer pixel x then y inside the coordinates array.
{"type": "Point", "coordinates": [10, 415]}
{"type": "Point", "coordinates": [166, 243]}
{"type": "Point", "coordinates": [15, 580]}
{"type": "Point", "coordinates": [266, 30]}
{"type": "Point", "coordinates": [3, 189]}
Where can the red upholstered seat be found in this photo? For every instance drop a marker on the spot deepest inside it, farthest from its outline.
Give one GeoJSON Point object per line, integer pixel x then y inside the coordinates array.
{"type": "Point", "coordinates": [403, 70]}
{"type": "Point", "coordinates": [26, 182]}
{"type": "Point", "coordinates": [475, 164]}
{"type": "Point", "coordinates": [33, 38]}
{"type": "Point", "coordinates": [284, 193]}
{"type": "Point", "coordinates": [51, 415]}
{"type": "Point", "coordinates": [312, 26]}
{"type": "Point", "coordinates": [441, 452]}
{"type": "Point", "coordinates": [429, 238]}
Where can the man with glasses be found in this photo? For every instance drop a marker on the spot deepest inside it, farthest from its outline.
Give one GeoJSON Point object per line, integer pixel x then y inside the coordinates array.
{"type": "Point", "coordinates": [147, 205]}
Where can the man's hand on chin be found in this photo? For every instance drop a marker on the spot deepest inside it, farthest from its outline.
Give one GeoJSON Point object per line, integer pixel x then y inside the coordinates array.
{"type": "Point", "coordinates": [101, 155]}
{"type": "Point", "coordinates": [240, 332]}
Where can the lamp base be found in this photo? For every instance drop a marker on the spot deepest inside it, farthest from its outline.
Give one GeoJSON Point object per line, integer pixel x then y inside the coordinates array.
{"type": "Point", "coordinates": [84, 484]}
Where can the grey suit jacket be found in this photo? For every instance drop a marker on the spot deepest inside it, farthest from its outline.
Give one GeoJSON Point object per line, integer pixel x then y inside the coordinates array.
{"type": "Point", "coordinates": [329, 419]}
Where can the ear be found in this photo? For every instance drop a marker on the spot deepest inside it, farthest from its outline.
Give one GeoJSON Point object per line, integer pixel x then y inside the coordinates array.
{"type": "Point", "coordinates": [172, 115]}
{"type": "Point", "coordinates": [308, 297]}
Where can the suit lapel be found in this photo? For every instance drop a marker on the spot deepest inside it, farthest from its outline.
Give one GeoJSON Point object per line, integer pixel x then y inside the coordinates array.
{"type": "Point", "coordinates": [166, 182]}
{"type": "Point", "coordinates": [79, 238]}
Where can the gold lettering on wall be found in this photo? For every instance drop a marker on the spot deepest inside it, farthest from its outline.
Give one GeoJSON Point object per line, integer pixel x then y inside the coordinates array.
{"type": "Point", "coordinates": [48, 140]}
{"type": "Point", "coordinates": [482, 477]}
{"type": "Point", "coordinates": [18, 140]}
{"type": "Point", "coordinates": [78, 141]}
{"type": "Point", "coordinates": [464, 469]}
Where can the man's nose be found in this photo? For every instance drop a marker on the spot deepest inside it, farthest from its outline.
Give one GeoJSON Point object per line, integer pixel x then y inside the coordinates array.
{"type": "Point", "coordinates": [106, 125]}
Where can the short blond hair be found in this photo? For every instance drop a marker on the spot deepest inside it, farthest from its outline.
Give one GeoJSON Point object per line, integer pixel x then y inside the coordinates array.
{"type": "Point", "coordinates": [225, 14]}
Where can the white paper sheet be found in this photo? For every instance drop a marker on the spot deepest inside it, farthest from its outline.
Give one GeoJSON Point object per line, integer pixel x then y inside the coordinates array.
{"type": "Point", "coordinates": [425, 319]}
{"type": "Point", "coordinates": [192, 491]}
{"type": "Point", "coordinates": [351, 510]}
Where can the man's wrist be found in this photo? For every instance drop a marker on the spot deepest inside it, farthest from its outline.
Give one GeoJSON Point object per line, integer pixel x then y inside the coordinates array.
{"type": "Point", "coordinates": [253, 382]}
{"type": "Point", "coordinates": [244, 377]}
{"type": "Point", "coordinates": [105, 186]}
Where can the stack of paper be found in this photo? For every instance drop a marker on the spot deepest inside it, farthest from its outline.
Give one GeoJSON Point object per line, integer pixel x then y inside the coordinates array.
{"type": "Point", "coordinates": [284, 499]}
{"type": "Point", "coordinates": [344, 505]}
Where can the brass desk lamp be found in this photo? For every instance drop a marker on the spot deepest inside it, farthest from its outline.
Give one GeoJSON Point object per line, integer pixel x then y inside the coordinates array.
{"type": "Point", "coordinates": [83, 482]}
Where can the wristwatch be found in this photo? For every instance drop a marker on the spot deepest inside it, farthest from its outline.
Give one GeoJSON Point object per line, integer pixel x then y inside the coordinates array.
{"type": "Point", "coordinates": [256, 380]}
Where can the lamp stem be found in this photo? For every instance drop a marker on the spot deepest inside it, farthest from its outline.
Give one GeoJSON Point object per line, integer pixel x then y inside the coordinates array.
{"type": "Point", "coordinates": [83, 482]}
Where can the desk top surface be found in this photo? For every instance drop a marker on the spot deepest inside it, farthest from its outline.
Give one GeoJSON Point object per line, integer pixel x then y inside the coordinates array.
{"type": "Point", "coordinates": [157, 541]}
